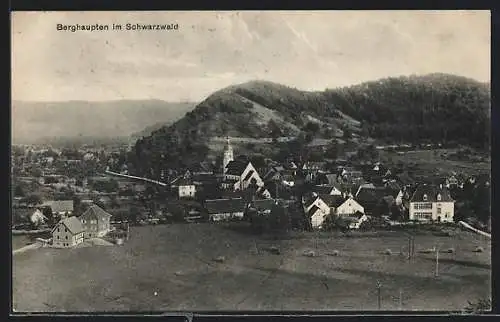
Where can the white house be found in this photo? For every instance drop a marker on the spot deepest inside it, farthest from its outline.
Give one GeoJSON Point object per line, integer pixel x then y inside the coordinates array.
{"type": "Point", "coordinates": [432, 203]}
{"type": "Point", "coordinates": [68, 233]}
{"type": "Point", "coordinates": [349, 207]}
{"type": "Point", "coordinates": [184, 186]}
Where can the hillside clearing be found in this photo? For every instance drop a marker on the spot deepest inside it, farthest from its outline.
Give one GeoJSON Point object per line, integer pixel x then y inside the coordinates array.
{"type": "Point", "coordinates": [177, 262]}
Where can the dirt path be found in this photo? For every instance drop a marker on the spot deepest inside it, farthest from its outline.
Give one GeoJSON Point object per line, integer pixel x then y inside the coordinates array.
{"type": "Point", "coordinates": [26, 248]}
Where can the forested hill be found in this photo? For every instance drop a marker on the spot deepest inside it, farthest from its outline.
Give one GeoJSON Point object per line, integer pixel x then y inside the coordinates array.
{"type": "Point", "coordinates": [433, 108]}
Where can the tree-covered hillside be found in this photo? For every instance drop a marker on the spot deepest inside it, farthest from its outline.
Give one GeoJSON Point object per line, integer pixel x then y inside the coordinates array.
{"type": "Point", "coordinates": [432, 108]}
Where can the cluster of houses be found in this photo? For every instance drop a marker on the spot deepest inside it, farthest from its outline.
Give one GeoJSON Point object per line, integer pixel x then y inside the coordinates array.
{"type": "Point", "coordinates": [344, 192]}
{"type": "Point", "coordinates": [352, 193]}
{"type": "Point", "coordinates": [72, 230]}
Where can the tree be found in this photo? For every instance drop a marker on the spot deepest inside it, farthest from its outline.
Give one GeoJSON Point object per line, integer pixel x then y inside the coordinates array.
{"type": "Point", "coordinates": [33, 200]}
{"type": "Point", "coordinates": [332, 150]}
{"type": "Point", "coordinates": [133, 214]}
{"type": "Point", "coordinates": [19, 191]}
{"type": "Point", "coordinates": [347, 133]}
{"type": "Point", "coordinates": [312, 127]}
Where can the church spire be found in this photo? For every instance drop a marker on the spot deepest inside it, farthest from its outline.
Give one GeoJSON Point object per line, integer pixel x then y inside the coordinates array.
{"type": "Point", "coordinates": [228, 155]}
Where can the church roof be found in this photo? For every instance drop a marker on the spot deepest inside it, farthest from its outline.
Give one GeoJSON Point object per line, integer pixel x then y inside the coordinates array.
{"type": "Point", "coordinates": [236, 168]}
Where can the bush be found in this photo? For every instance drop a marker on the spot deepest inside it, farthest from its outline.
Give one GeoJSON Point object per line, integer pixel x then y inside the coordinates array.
{"type": "Point", "coordinates": [334, 253]}
{"type": "Point", "coordinates": [478, 249]}
{"type": "Point", "coordinates": [310, 253]}
{"type": "Point", "coordinates": [482, 305]}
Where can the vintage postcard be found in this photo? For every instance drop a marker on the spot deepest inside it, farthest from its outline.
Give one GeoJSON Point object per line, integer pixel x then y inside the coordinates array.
{"type": "Point", "coordinates": [251, 161]}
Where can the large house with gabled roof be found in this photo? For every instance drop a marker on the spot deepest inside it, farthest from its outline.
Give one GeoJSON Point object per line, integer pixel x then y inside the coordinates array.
{"type": "Point", "coordinates": [96, 222]}
{"type": "Point", "coordinates": [67, 233]}
{"type": "Point", "coordinates": [431, 203]}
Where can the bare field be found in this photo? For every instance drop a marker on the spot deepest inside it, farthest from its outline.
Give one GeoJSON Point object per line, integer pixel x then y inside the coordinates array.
{"type": "Point", "coordinates": [20, 241]}
{"type": "Point", "coordinates": [434, 160]}
{"type": "Point", "coordinates": [176, 262]}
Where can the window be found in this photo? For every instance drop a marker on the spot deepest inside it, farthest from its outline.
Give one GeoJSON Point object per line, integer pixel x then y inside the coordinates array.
{"type": "Point", "coordinates": [58, 229]}
{"type": "Point", "coordinates": [423, 205]}
{"type": "Point", "coordinates": [439, 197]}
{"type": "Point", "coordinates": [424, 197]}
{"type": "Point", "coordinates": [66, 237]}
{"type": "Point", "coordinates": [439, 210]}
{"type": "Point", "coordinates": [57, 237]}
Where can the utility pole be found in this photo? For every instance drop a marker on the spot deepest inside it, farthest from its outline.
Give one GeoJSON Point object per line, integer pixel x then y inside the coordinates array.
{"type": "Point", "coordinates": [379, 286]}
{"type": "Point", "coordinates": [437, 262]}
{"type": "Point", "coordinates": [409, 247]}
{"type": "Point", "coordinates": [400, 299]}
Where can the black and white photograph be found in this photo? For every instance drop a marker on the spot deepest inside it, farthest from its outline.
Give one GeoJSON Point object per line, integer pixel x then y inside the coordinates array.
{"type": "Point", "coordinates": [248, 161]}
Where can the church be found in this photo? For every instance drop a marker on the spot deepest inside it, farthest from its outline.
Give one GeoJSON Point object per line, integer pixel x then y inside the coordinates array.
{"type": "Point", "coordinates": [238, 174]}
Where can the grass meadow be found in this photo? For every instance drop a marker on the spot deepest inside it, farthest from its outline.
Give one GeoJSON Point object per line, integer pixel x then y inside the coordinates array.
{"type": "Point", "coordinates": [172, 268]}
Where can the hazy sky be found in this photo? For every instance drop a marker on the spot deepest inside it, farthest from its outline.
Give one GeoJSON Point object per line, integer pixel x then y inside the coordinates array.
{"type": "Point", "coordinates": [305, 49]}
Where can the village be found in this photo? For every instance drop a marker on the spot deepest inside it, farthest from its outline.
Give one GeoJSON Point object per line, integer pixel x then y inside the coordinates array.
{"type": "Point", "coordinates": [80, 195]}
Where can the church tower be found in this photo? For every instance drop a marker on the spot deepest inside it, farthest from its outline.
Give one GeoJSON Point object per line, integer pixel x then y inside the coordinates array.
{"type": "Point", "coordinates": [228, 156]}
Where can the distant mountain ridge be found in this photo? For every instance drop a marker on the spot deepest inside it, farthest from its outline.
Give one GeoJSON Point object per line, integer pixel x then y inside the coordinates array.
{"type": "Point", "coordinates": [33, 122]}
{"type": "Point", "coordinates": [433, 107]}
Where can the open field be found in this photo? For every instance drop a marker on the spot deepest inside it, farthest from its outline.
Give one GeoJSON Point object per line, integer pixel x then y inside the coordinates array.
{"type": "Point", "coordinates": [176, 262]}
{"type": "Point", "coordinates": [20, 241]}
{"type": "Point", "coordinates": [435, 161]}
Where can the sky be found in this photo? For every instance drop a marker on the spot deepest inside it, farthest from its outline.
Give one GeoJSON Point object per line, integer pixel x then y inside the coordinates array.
{"type": "Point", "coordinates": [309, 50]}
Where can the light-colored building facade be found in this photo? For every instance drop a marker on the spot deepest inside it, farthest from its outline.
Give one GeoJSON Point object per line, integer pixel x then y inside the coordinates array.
{"type": "Point", "coordinates": [431, 203]}
{"type": "Point", "coordinates": [67, 233]}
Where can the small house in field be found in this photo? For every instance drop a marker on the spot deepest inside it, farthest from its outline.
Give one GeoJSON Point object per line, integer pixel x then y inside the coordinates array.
{"type": "Point", "coordinates": [225, 209]}
{"type": "Point", "coordinates": [67, 233]}
{"type": "Point", "coordinates": [96, 222]}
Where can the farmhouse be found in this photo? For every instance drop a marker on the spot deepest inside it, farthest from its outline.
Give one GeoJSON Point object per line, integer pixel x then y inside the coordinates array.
{"type": "Point", "coordinates": [63, 208]}
{"type": "Point", "coordinates": [68, 232]}
{"type": "Point", "coordinates": [95, 221]}
{"type": "Point", "coordinates": [432, 203]}
{"type": "Point", "coordinates": [185, 187]}
{"type": "Point", "coordinates": [349, 207]}
{"type": "Point", "coordinates": [225, 209]}
{"type": "Point", "coordinates": [316, 209]}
